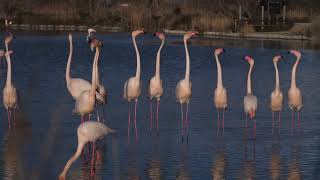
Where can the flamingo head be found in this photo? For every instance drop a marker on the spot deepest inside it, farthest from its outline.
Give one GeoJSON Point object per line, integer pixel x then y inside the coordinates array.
{"type": "Point", "coordinates": [9, 38]}
{"type": "Point", "coordinates": [94, 43]}
{"type": "Point", "coordinates": [137, 32]}
{"type": "Point", "coordinates": [277, 58]}
{"type": "Point", "coordinates": [295, 53]}
{"type": "Point", "coordinates": [91, 31]}
{"type": "Point", "coordinates": [190, 34]}
{"type": "Point", "coordinates": [218, 51]}
{"type": "Point", "coordinates": [160, 35]}
{"type": "Point", "coordinates": [250, 60]}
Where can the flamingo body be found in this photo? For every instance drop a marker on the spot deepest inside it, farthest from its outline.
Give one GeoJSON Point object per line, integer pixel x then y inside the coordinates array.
{"type": "Point", "coordinates": [295, 99]}
{"type": "Point", "coordinates": [184, 91]}
{"type": "Point", "coordinates": [250, 103]}
{"type": "Point", "coordinates": [276, 101]}
{"type": "Point", "coordinates": [132, 88]}
{"type": "Point", "coordinates": [155, 88]}
{"type": "Point", "coordinates": [220, 98]}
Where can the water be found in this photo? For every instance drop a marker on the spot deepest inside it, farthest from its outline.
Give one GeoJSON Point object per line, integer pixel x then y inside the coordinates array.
{"type": "Point", "coordinates": [45, 135]}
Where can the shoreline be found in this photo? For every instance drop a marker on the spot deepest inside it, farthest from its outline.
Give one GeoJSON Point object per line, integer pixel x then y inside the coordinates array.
{"type": "Point", "coordinates": [81, 28]}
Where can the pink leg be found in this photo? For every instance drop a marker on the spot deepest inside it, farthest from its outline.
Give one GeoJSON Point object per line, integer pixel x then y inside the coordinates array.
{"type": "Point", "coordinates": [218, 121]}
{"type": "Point", "coordinates": [135, 118]}
{"type": "Point", "coordinates": [299, 124]}
{"type": "Point", "coordinates": [128, 122]}
{"type": "Point", "coordinates": [246, 120]}
{"type": "Point", "coordinates": [255, 129]}
{"type": "Point", "coordinates": [14, 117]}
{"type": "Point", "coordinates": [182, 129]}
{"type": "Point", "coordinates": [187, 124]}
{"type": "Point", "coordinates": [279, 122]}
{"type": "Point", "coordinates": [158, 115]}
{"type": "Point", "coordinates": [8, 113]}
{"type": "Point", "coordinates": [92, 159]}
{"type": "Point", "coordinates": [223, 122]}
{"type": "Point", "coordinates": [272, 121]}
{"type": "Point", "coordinates": [292, 121]}
{"type": "Point", "coordinates": [150, 115]}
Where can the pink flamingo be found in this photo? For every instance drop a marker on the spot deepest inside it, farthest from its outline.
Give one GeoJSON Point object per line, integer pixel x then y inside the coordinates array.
{"type": "Point", "coordinates": [155, 85]}
{"type": "Point", "coordinates": [294, 93]}
{"type": "Point", "coordinates": [183, 89]}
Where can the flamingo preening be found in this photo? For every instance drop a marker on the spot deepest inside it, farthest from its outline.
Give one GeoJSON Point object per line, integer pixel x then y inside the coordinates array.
{"type": "Point", "coordinates": [89, 131]}
{"type": "Point", "coordinates": [276, 98]}
{"type": "Point", "coordinates": [183, 89]}
{"type": "Point", "coordinates": [132, 87]}
{"type": "Point", "coordinates": [220, 93]}
{"type": "Point", "coordinates": [155, 85]}
{"type": "Point", "coordinates": [10, 95]}
{"type": "Point", "coordinates": [85, 102]}
{"type": "Point", "coordinates": [294, 93]}
{"type": "Point", "coordinates": [77, 85]}
{"type": "Point", "coordinates": [250, 101]}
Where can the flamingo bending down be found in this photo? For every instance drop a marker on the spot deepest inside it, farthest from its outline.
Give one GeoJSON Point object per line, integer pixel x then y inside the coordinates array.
{"type": "Point", "coordinates": [132, 87]}
{"type": "Point", "coordinates": [183, 89]}
{"type": "Point", "coordinates": [77, 85]}
{"type": "Point", "coordinates": [155, 85]}
{"type": "Point", "coordinates": [89, 131]}
{"type": "Point", "coordinates": [294, 93]}
{"type": "Point", "coordinates": [10, 95]}
{"type": "Point", "coordinates": [220, 93]}
{"type": "Point", "coordinates": [276, 98]}
{"type": "Point", "coordinates": [86, 101]}
{"type": "Point", "coordinates": [250, 101]}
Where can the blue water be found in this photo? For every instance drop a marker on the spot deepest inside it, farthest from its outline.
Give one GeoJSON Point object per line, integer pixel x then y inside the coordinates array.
{"type": "Point", "coordinates": [45, 134]}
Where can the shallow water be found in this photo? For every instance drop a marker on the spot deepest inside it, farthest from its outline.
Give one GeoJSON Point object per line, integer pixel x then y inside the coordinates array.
{"type": "Point", "coordinates": [45, 134]}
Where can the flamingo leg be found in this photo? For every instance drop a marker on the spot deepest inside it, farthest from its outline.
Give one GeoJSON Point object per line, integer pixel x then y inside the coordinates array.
{"type": "Point", "coordinates": [14, 117]}
{"type": "Point", "coordinates": [135, 118]}
{"type": "Point", "coordinates": [272, 121]}
{"type": "Point", "coordinates": [150, 115]}
{"type": "Point", "coordinates": [255, 129]}
{"type": "Point", "coordinates": [292, 121]}
{"type": "Point", "coordinates": [182, 133]}
{"type": "Point", "coordinates": [128, 122]}
{"type": "Point", "coordinates": [158, 115]}
{"type": "Point", "coordinates": [299, 124]}
{"type": "Point", "coordinates": [246, 120]}
{"type": "Point", "coordinates": [279, 121]}
{"type": "Point", "coordinates": [218, 121]}
{"type": "Point", "coordinates": [223, 122]}
{"type": "Point", "coordinates": [187, 124]}
{"type": "Point", "coordinates": [8, 113]}
{"type": "Point", "coordinates": [92, 159]}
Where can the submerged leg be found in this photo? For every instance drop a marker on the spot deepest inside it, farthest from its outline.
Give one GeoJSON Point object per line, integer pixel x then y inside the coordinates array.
{"type": "Point", "coordinates": [272, 121]}
{"type": "Point", "coordinates": [150, 115]}
{"type": "Point", "coordinates": [218, 121]}
{"type": "Point", "coordinates": [246, 120]}
{"type": "Point", "coordinates": [182, 133]}
{"type": "Point", "coordinates": [279, 121]}
{"type": "Point", "coordinates": [292, 122]}
{"type": "Point", "coordinates": [14, 117]}
{"type": "Point", "coordinates": [299, 124]}
{"type": "Point", "coordinates": [187, 123]}
{"type": "Point", "coordinates": [135, 118]}
{"type": "Point", "coordinates": [8, 113]}
{"type": "Point", "coordinates": [128, 122]}
{"type": "Point", "coordinates": [255, 129]}
{"type": "Point", "coordinates": [92, 159]}
{"type": "Point", "coordinates": [223, 122]}
{"type": "Point", "coordinates": [158, 115]}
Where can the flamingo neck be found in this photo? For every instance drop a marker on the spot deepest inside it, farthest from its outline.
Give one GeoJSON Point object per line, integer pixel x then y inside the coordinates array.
{"type": "Point", "coordinates": [277, 86]}
{"type": "Point", "coordinates": [219, 77]}
{"type": "Point", "coordinates": [138, 58]}
{"type": "Point", "coordinates": [249, 80]}
{"type": "Point", "coordinates": [293, 76]}
{"type": "Point", "coordinates": [72, 159]}
{"type": "Point", "coordinates": [8, 81]}
{"type": "Point", "coordinates": [94, 79]}
{"type": "Point", "coordinates": [187, 76]}
{"type": "Point", "coordinates": [69, 61]}
{"type": "Point", "coordinates": [158, 61]}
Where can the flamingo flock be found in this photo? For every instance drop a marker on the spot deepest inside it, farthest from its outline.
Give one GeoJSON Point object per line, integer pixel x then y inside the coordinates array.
{"type": "Point", "coordinates": [88, 95]}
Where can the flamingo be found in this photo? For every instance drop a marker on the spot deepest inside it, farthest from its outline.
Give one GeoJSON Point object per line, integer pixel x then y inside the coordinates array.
{"type": "Point", "coordinates": [89, 131]}
{"type": "Point", "coordinates": [132, 87]}
{"type": "Point", "coordinates": [294, 93]}
{"type": "Point", "coordinates": [183, 89]}
{"type": "Point", "coordinates": [250, 101]}
{"type": "Point", "coordinates": [276, 98]}
{"type": "Point", "coordinates": [76, 85]}
{"type": "Point", "coordinates": [220, 93]}
{"type": "Point", "coordinates": [10, 95]}
{"type": "Point", "coordinates": [155, 85]}
{"type": "Point", "coordinates": [86, 101]}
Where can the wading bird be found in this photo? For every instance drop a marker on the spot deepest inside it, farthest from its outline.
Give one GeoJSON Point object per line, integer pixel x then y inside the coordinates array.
{"type": "Point", "coordinates": [276, 98]}
{"type": "Point", "coordinates": [132, 87]}
{"type": "Point", "coordinates": [89, 131]}
{"type": "Point", "coordinates": [250, 101]}
{"type": "Point", "coordinates": [155, 85]}
{"type": "Point", "coordinates": [220, 93]}
{"type": "Point", "coordinates": [294, 93]}
{"type": "Point", "coordinates": [183, 89]}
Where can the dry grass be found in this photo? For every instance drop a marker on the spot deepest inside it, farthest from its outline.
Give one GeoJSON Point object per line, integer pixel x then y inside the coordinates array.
{"type": "Point", "coordinates": [247, 28]}
{"type": "Point", "coordinates": [297, 14]}
{"type": "Point", "coordinates": [209, 22]}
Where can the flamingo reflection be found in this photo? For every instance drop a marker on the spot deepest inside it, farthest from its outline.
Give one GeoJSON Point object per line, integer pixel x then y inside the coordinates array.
{"type": "Point", "coordinates": [220, 163]}
{"type": "Point", "coordinates": [275, 162]}
{"type": "Point", "coordinates": [154, 166]}
{"type": "Point", "coordinates": [183, 173]}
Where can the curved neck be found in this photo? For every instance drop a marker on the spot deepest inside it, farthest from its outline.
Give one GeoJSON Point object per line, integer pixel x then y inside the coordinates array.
{"type": "Point", "coordinates": [8, 82]}
{"type": "Point", "coordinates": [72, 159]}
{"type": "Point", "coordinates": [293, 76]}
{"type": "Point", "coordinates": [69, 61]}
{"type": "Point", "coordinates": [158, 60]}
{"type": "Point", "coordinates": [187, 76]}
{"type": "Point", "coordinates": [97, 74]}
{"type": "Point", "coordinates": [138, 57]}
{"type": "Point", "coordinates": [94, 79]}
{"type": "Point", "coordinates": [219, 77]}
{"type": "Point", "coordinates": [249, 80]}
{"type": "Point", "coordinates": [277, 86]}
